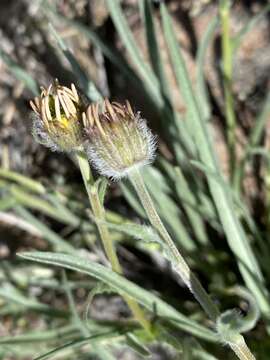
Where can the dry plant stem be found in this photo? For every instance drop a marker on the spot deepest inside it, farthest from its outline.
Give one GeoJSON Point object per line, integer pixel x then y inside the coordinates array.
{"type": "Point", "coordinates": [227, 53]}
{"type": "Point", "coordinates": [180, 265]}
{"type": "Point", "coordinates": [99, 214]}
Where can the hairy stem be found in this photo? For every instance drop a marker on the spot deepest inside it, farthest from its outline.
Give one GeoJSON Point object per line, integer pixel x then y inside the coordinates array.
{"type": "Point", "coordinates": [241, 350]}
{"type": "Point", "coordinates": [99, 214]}
{"type": "Point", "coordinates": [179, 263]}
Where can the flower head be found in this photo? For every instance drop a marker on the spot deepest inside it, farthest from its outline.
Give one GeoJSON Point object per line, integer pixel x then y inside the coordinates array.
{"type": "Point", "coordinates": [57, 123]}
{"type": "Point", "coordinates": [118, 140]}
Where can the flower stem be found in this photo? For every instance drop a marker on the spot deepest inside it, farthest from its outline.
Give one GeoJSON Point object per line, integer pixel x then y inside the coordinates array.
{"type": "Point", "coordinates": [241, 349]}
{"type": "Point", "coordinates": [179, 263]}
{"type": "Point", "coordinates": [99, 214]}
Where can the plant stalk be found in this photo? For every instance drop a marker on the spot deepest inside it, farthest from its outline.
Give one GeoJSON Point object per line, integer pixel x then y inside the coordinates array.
{"type": "Point", "coordinates": [99, 214]}
{"type": "Point", "coordinates": [227, 61]}
{"type": "Point", "coordinates": [241, 350]}
{"type": "Point", "coordinates": [180, 265]}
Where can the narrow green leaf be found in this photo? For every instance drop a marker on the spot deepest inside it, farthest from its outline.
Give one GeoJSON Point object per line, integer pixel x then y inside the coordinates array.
{"type": "Point", "coordinates": [102, 185]}
{"type": "Point", "coordinates": [7, 203]}
{"type": "Point", "coordinates": [168, 210]}
{"type": "Point", "coordinates": [52, 238]}
{"type": "Point", "coordinates": [131, 198]}
{"type": "Point", "coordinates": [12, 294]}
{"type": "Point", "coordinates": [190, 207]}
{"type": "Point", "coordinates": [195, 190]}
{"type": "Point", "coordinates": [253, 141]}
{"type": "Point", "coordinates": [123, 286]}
{"type": "Point", "coordinates": [22, 180]}
{"type": "Point", "coordinates": [20, 73]}
{"type": "Point", "coordinates": [135, 344]}
{"type": "Point", "coordinates": [153, 47]}
{"type": "Point", "coordinates": [77, 343]}
{"type": "Point", "coordinates": [40, 336]}
{"type": "Point", "coordinates": [37, 203]}
{"type": "Point", "coordinates": [87, 85]}
{"type": "Point", "coordinates": [260, 123]}
{"type": "Point", "coordinates": [249, 26]}
{"type": "Point", "coordinates": [201, 354]}
{"type": "Point", "coordinates": [137, 231]}
{"type": "Point", "coordinates": [73, 310]}
{"type": "Point", "coordinates": [127, 38]}
{"type": "Point", "coordinates": [202, 91]}
{"type": "Point", "coordinates": [114, 56]}
{"type": "Point", "coordinates": [62, 210]}
{"type": "Point", "coordinates": [236, 237]}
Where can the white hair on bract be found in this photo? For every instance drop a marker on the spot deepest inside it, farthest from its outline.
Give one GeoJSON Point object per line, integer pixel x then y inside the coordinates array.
{"type": "Point", "coordinates": [114, 156]}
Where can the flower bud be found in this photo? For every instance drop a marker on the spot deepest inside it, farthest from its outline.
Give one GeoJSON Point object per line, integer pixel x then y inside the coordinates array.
{"type": "Point", "coordinates": [57, 123]}
{"type": "Point", "coordinates": [118, 140]}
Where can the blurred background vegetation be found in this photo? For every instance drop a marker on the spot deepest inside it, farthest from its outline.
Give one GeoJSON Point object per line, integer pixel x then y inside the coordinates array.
{"type": "Point", "coordinates": [198, 71]}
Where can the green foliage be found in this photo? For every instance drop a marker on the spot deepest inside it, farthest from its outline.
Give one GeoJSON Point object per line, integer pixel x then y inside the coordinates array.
{"type": "Point", "coordinates": [205, 214]}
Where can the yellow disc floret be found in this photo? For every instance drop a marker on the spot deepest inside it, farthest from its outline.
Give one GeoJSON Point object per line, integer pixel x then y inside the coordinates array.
{"type": "Point", "coordinates": [58, 120]}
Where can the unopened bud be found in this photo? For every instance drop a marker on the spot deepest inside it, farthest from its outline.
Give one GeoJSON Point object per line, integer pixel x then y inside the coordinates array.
{"type": "Point", "coordinates": [118, 140]}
